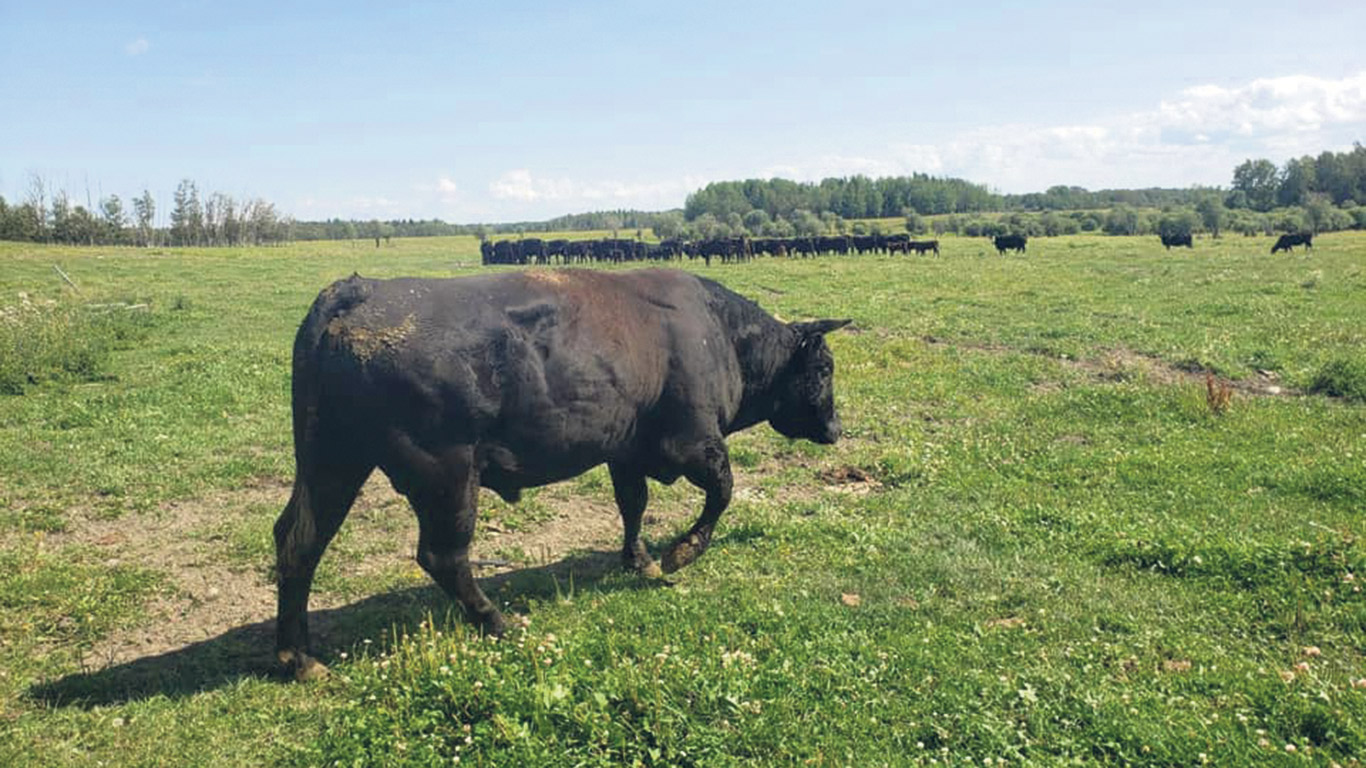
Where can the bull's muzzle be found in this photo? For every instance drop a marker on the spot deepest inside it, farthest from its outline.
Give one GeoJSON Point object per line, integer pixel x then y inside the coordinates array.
{"type": "Point", "coordinates": [831, 433]}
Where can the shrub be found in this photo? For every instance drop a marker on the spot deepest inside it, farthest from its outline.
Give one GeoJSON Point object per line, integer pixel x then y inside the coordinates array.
{"type": "Point", "coordinates": [1179, 222]}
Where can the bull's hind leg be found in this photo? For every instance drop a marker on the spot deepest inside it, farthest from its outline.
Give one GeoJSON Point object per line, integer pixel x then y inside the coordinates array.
{"type": "Point", "coordinates": [710, 471]}
{"type": "Point", "coordinates": [632, 495]}
{"type": "Point", "coordinates": [445, 502]}
{"type": "Point", "coordinates": [322, 496]}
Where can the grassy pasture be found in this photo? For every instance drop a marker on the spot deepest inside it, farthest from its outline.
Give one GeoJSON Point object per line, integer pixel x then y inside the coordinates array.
{"type": "Point", "coordinates": [1037, 543]}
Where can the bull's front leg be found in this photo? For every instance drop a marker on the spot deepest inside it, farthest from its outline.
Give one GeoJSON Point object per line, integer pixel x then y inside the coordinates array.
{"type": "Point", "coordinates": [710, 471]}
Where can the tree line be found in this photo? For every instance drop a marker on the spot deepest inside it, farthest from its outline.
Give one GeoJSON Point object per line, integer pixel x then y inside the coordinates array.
{"type": "Point", "coordinates": [1305, 194]}
{"type": "Point", "coordinates": [1337, 177]}
{"type": "Point", "coordinates": [48, 215]}
{"type": "Point", "coordinates": [855, 197]}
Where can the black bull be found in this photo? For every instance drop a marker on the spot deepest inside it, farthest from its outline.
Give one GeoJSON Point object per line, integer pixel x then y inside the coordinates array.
{"type": "Point", "coordinates": [1287, 243]}
{"type": "Point", "coordinates": [517, 380]}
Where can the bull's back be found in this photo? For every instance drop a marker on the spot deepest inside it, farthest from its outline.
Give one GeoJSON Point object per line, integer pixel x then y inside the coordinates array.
{"type": "Point", "coordinates": [543, 369]}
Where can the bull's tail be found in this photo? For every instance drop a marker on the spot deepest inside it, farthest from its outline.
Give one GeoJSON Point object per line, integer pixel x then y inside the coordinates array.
{"type": "Point", "coordinates": [324, 489]}
{"type": "Point", "coordinates": [335, 300]}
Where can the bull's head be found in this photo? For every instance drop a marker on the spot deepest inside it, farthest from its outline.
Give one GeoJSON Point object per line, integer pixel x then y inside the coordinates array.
{"type": "Point", "coordinates": [805, 406]}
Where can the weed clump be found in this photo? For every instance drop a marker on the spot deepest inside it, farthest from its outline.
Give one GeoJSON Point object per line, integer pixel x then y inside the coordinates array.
{"type": "Point", "coordinates": [1218, 394]}
{"type": "Point", "coordinates": [1341, 377]}
{"type": "Point", "coordinates": [53, 341]}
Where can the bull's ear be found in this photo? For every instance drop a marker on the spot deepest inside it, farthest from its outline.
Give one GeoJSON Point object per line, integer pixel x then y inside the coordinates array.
{"type": "Point", "coordinates": [820, 327]}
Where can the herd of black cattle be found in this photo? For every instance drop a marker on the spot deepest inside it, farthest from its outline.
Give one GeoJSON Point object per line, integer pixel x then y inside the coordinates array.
{"type": "Point", "coordinates": [534, 250]}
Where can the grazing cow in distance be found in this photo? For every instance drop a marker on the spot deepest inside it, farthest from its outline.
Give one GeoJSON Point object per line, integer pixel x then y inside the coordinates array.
{"type": "Point", "coordinates": [674, 247]}
{"type": "Point", "coordinates": [579, 250]}
{"type": "Point", "coordinates": [506, 252]}
{"type": "Point", "coordinates": [802, 246]}
{"type": "Point", "coordinates": [840, 244]}
{"type": "Point", "coordinates": [554, 248]}
{"type": "Point", "coordinates": [923, 246]}
{"type": "Point", "coordinates": [1009, 243]}
{"type": "Point", "coordinates": [533, 250]}
{"type": "Point", "coordinates": [1170, 241]}
{"type": "Point", "coordinates": [519, 379]}
{"type": "Point", "coordinates": [1287, 243]}
{"type": "Point", "coordinates": [898, 243]}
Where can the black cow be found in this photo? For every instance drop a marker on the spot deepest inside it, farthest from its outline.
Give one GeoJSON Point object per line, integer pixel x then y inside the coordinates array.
{"type": "Point", "coordinates": [674, 247]}
{"type": "Point", "coordinates": [767, 246]}
{"type": "Point", "coordinates": [506, 252]}
{"type": "Point", "coordinates": [839, 244]}
{"type": "Point", "coordinates": [514, 380]}
{"type": "Point", "coordinates": [922, 247]}
{"type": "Point", "coordinates": [802, 246]}
{"type": "Point", "coordinates": [1287, 243]}
{"type": "Point", "coordinates": [557, 248]}
{"type": "Point", "coordinates": [532, 250]}
{"type": "Point", "coordinates": [606, 250]}
{"type": "Point", "coordinates": [1010, 243]}
{"type": "Point", "coordinates": [1177, 241]}
{"type": "Point", "coordinates": [579, 250]}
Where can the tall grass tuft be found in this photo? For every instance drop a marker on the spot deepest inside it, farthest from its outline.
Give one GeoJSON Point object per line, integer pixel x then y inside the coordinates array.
{"type": "Point", "coordinates": [54, 341]}
{"type": "Point", "coordinates": [1341, 377]}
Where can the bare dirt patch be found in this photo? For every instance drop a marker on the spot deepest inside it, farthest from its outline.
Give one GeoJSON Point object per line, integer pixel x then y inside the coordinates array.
{"type": "Point", "coordinates": [848, 479]}
{"type": "Point", "coordinates": [1123, 364]}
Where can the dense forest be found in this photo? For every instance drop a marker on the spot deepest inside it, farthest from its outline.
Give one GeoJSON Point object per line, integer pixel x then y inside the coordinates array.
{"type": "Point", "coordinates": [1307, 193]}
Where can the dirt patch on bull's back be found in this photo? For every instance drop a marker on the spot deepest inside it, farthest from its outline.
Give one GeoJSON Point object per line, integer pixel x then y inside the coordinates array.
{"type": "Point", "coordinates": [210, 590]}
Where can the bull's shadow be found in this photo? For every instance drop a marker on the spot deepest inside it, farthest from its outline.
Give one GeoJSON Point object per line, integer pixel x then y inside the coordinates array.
{"type": "Point", "coordinates": [248, 651]}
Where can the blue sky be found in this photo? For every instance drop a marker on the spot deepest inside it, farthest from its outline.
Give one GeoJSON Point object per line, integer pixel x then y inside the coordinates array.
{"type": "Point", "coordinates": [526, 110]}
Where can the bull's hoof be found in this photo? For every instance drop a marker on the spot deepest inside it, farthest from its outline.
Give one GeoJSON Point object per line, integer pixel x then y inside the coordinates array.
{"type": "Point", "coordinates": [682, 553]}
{"type": "Point", "coordinates": [642, 565]}
{"type": "Point", "coordinates": [303, 667]}
{"type": "Point", "coordinates": [493, 623]}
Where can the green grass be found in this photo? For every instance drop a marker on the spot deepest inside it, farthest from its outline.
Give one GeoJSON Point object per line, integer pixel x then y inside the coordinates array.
{"type": "Point", "coordinates": [1058, 560]}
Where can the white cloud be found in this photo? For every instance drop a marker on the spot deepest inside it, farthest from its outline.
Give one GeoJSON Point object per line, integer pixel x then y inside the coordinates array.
{"type": "Point", "coordinates": [1266, 107]}
{"type": "Point", "coordinates": [137, 47]}
{"type": "Point", "coordinates": [372, 205]}
{"type": "Point", "coordinates": [520, 185]}
{"type": "Point", "coordinates": [444, 189]}
{"type": "Point", "coordinates": [1196, 137]}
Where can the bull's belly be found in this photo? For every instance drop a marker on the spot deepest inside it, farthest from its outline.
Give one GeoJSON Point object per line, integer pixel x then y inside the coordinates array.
{"type": "Point", "coordinates": [528, 470]}
{"type": "Point", "coordinates": [508, 467]}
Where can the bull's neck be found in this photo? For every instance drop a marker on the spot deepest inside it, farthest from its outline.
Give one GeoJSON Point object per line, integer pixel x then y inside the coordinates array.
{"type": "Point", "coordinates": [763, 347]}
{"type": "Point", "coordinates": [763, 357]}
